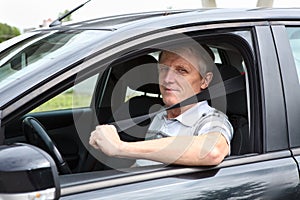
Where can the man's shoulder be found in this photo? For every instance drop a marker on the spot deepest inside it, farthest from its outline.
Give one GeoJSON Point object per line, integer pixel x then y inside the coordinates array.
{"type": "Point", "coordinates": [213, 112]}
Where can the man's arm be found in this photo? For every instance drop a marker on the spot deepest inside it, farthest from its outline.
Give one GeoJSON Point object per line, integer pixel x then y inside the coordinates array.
{"type": "Point", "coordinates": [207, 149]}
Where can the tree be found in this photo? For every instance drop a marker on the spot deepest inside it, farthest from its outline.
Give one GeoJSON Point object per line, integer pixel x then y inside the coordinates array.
{"type": "Point", "coordinates": [8, 32]}
{"type": "Point", "coordinates": [68, 18]}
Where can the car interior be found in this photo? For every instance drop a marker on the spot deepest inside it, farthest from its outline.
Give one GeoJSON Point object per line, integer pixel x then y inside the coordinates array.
{"type": "Point", "coordinates": [131, 90]}
{"type": "Point", "coordinates": [148, 99]}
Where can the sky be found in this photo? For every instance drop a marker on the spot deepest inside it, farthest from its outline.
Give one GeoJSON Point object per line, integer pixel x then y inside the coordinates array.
{"type": "Point", "coordinates": [25, 14]}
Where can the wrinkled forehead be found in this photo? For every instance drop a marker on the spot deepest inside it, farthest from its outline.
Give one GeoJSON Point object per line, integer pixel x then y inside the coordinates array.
{"type": "Point", "coordinates": [185, 54]}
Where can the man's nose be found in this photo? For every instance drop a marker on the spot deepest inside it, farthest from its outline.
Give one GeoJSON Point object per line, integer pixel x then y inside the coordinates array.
{"type": "Point", "coordinates": [169, 76]}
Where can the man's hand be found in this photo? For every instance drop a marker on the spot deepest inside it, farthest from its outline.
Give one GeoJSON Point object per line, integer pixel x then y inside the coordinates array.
{"type": "Point", "coordinates": [106, 139]}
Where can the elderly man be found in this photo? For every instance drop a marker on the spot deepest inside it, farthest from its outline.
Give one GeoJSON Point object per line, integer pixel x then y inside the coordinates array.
{"type": "Point", "coordinates": [192, 135]}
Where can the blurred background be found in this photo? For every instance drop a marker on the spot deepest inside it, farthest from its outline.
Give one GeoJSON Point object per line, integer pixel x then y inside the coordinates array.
{"type": "Point", "coordinates": [19, 16]}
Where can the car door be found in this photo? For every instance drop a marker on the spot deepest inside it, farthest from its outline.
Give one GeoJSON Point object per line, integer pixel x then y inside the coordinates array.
{"type": "Point", "coordinates": [265, 170]}
{"type": "Point", "coordinates": [287, 37]}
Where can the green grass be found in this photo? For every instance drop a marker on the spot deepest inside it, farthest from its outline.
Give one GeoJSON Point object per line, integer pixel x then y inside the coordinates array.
{"type": "Point", "coordinates": [66, 100]}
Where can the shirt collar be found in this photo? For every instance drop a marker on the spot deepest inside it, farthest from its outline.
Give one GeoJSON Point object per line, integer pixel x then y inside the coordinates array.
{"type": "Point", "coordinates": [192, 115]}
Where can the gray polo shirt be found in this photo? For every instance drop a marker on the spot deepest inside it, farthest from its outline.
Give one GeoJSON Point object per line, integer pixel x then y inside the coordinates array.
{"type": "Point", "coordinates": [199, 119]}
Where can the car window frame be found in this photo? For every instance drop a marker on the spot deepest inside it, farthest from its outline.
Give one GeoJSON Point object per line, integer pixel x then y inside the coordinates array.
{"type": "Point", "coordinates": [275, 135]}
{"type": "Point", "coordinates": [290, 78]}
{"type": "Point", "coordinates": [103, 60]}
{"type": "Point", "coordinates": [168, 32]}
{"type": "Point", "coordinates": [257, 120]}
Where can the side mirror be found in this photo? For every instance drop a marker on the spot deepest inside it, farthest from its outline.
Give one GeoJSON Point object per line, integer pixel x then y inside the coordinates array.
{"type": "Point", "coordinates": [27, 172]}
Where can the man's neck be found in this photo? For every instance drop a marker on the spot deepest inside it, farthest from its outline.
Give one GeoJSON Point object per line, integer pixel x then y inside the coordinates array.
{"type": "Point", "coordinates": [173, 113]}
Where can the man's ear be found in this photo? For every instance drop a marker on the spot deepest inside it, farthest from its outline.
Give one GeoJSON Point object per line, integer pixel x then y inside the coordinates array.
{"type": "Point", "coordinates": [206, 80]}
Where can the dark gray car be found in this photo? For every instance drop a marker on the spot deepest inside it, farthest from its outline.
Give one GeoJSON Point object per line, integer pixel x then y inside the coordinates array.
{"type": "Point", "coordinates": [57, 84]}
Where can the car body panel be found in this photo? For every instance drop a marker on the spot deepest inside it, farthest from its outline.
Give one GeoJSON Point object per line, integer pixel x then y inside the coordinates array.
{"type": "Point", "coordinates": [254, 180]}
{"type": "Point", "coordinates": [276, 124]}
{"type": "Point", "coordinates": [270, 170]}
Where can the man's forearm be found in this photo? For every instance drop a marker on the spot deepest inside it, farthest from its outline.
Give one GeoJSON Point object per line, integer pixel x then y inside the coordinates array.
{"type": "Point", "coordinates": [207, 149]}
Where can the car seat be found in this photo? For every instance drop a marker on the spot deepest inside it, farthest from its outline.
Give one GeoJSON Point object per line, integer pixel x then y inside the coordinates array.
{"type": "Point", "coordinates": [141, 74]}
{"type": "Point", "coordinates": [236, 110]}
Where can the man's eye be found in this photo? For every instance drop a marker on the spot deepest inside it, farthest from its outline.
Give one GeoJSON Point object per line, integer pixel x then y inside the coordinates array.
{"type": "Point", "coordinates": [181, 71]}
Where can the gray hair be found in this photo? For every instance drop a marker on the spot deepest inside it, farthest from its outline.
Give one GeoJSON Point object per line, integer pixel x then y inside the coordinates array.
{"type": "Point", "coordinates": [203, 57]}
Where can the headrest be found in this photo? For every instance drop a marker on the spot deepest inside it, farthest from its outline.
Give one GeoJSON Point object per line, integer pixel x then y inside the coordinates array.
{"type": "Point", "coordinates": [140, 74]}
{"type": "Point", "coordinates": [236, 102]}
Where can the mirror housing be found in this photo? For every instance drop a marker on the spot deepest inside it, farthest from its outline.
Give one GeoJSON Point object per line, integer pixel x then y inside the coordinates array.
{"type": "Point", "coordinates": [27, 172]}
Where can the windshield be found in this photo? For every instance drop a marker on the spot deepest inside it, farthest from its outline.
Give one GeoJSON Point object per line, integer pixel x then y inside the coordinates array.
{"type": "Point", "coordinates": [24, 56]}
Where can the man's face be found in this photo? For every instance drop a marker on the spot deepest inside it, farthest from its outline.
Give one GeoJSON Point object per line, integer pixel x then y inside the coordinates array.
{"type": "Point", "coordinates": [179, 77]}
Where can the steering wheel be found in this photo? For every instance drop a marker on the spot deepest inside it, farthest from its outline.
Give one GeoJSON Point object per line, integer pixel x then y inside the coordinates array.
{"type": "Point", "coordinates": [36, 134]}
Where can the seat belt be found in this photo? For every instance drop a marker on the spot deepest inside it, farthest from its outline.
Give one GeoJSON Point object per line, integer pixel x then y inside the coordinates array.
{"type": "Point", "coordinates": [229, 86]}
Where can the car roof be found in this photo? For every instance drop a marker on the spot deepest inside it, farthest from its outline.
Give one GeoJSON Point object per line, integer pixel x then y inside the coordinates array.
{"type": "Point", "coordinates": [197, 15]}
{"type": "Point", "coordinates": [139, 23]}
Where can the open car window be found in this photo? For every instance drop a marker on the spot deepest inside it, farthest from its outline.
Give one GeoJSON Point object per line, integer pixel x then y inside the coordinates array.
{"type": "Point", "coordinates": [133, 91]}
{"type": "Point", "coordinates": [127, 87]}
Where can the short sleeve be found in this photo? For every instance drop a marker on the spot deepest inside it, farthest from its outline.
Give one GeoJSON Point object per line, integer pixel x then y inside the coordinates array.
{"type": "Point", "coordinates": [215, 121]}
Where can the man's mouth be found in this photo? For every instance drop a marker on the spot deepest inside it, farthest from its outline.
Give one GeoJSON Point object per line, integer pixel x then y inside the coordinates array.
{"type": "Point", "coordinates": [169, 89]}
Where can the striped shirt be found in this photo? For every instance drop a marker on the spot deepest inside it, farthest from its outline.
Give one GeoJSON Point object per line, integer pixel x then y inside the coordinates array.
{"type": "Point", "coordinates": [198, 120]}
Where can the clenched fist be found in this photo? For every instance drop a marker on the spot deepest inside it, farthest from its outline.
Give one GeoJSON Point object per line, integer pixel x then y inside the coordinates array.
{"type": "Point", "coordinates": [106, 139]}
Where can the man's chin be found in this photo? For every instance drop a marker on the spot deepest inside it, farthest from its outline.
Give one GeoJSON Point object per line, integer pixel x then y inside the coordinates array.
{"type": "Point", "coordinates": [170, 102]}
